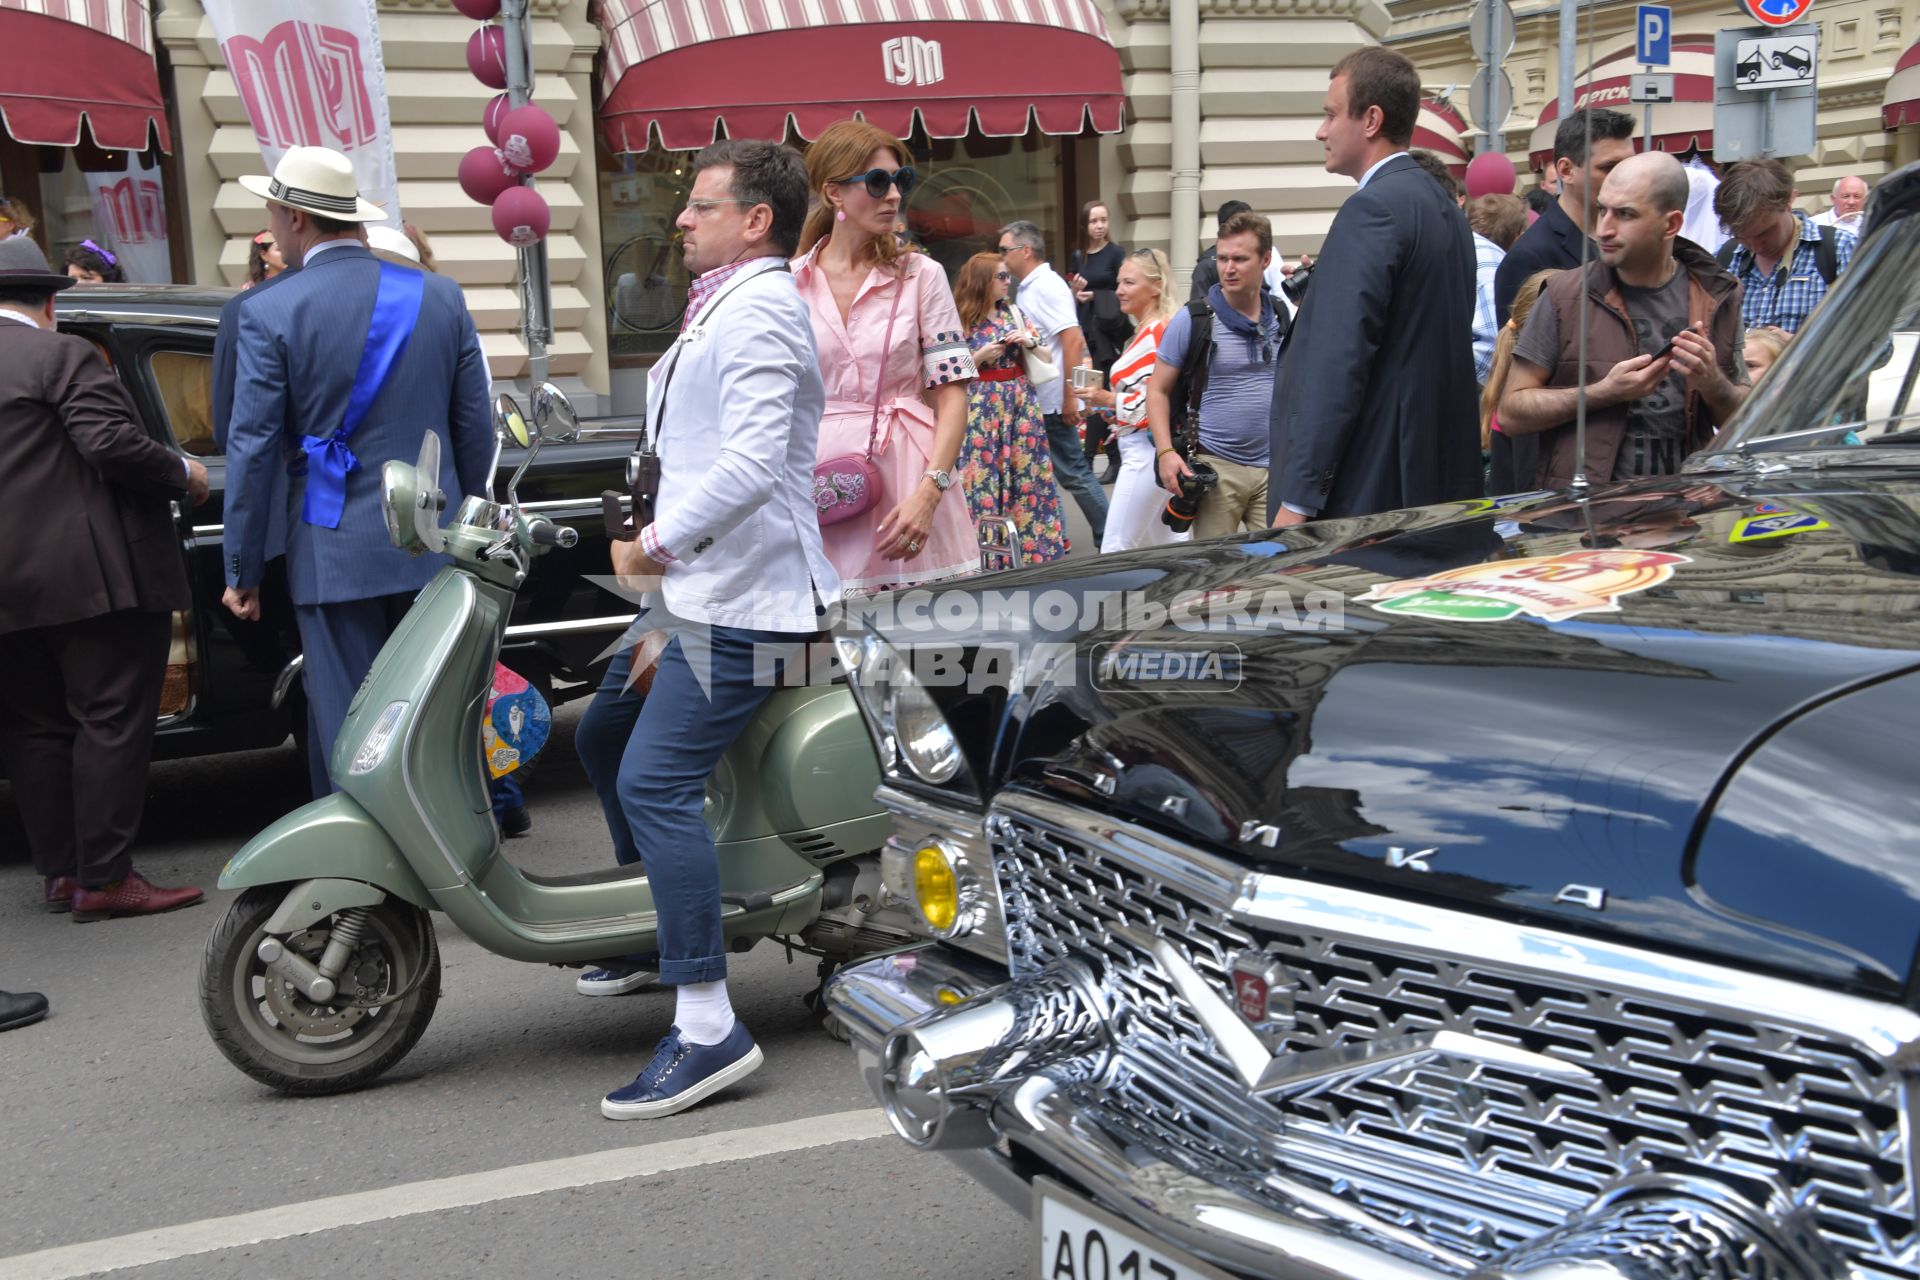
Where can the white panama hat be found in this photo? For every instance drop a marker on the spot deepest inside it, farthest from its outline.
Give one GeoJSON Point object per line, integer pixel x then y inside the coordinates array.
{"type": "Point", "coordinates": [383, 239]}
{"type": "Point", "coordinates": [315, 180]}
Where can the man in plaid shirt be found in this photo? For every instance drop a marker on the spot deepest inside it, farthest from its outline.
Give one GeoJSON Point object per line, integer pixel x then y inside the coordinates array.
{"type": "Point", "coordinates": [1784, 262]}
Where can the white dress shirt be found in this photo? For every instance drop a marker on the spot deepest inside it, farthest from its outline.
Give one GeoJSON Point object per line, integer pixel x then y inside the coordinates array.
{"type": "Point", "coordinates": [1045, 299]}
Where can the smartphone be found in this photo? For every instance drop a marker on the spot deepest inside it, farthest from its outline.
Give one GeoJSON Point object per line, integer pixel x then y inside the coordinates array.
{"type": "Point", "coordinates": [1666, 349]}
{"type": "Point", "coordinates": [1088, 379]}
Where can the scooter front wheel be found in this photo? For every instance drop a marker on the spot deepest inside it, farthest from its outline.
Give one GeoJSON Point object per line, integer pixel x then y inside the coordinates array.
{"type": "Point", "coordinates": [266, 1025]}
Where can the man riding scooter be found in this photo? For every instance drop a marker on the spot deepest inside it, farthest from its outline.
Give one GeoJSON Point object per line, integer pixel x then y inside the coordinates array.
{"type": "Point", "coordinates": [729, 552]}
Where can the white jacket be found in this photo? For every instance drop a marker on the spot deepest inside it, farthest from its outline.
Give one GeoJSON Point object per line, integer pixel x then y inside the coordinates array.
{"type": "Point", "coordinates": [738, 428]}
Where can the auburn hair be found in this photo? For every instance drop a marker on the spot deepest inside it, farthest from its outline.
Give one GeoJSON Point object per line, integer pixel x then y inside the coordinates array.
{"type": "Point", "coordinates": [841, 152]}
{"type": "Point", "coordinates": [973, 288]}
{"type": "Point", "coordinates": [1523, 303]}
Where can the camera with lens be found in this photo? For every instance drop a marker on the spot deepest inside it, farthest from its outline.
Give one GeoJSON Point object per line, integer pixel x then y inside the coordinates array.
{"type": "Point", "coordinates": [1183, 506]}
{"type": "Point", "coordinates": [1295, 285]}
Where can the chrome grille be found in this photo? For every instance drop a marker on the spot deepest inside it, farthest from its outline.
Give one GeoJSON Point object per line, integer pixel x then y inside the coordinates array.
{"type": "Point", "coordinates": [1475, 1156]}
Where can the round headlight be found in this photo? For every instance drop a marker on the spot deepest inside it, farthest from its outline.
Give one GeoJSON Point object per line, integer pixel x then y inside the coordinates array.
{"type": "Point", "coordinates": [920, 732]}
{"type": "Point", "coordinates": [935, 888]}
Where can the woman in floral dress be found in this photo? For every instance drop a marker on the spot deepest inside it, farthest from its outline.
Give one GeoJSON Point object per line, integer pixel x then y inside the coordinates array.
{"type": "Point", "coordinates": [1004, 466]}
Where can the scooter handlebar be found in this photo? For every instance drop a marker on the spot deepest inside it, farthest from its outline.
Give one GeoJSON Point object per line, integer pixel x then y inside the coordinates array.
{"type": "Point", "coordinates": [545, 533]}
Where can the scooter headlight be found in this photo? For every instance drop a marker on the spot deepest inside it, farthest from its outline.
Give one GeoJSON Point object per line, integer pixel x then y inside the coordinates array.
{"type": "Point", "coordinates": [373, 747]}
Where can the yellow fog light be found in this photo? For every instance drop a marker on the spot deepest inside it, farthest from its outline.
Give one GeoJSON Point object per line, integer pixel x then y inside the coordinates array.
{"type": "Point", "coordinates": [935, 887]}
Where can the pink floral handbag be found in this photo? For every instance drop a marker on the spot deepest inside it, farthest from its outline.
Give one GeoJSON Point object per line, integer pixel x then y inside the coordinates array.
{"type": "Point", "coordinates": [848, 484]}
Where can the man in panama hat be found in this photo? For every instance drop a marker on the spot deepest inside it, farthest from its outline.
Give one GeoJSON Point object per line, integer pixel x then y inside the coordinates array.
{"type": "Point", "coordinates": [87, 591]}
{"type": "Point", "coordinates": [342, 368]}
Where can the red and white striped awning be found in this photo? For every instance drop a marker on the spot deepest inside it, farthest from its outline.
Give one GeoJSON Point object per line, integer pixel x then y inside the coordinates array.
{"type": "Point", "coordinates": [1443, 131]}
{"type": "Point", "coordinates": [684, 70]}
{"type": "Point", "coordinates": [1685, 124]}
{"type": "Point", "coordinates": [64, 62]}
{"type": "Point", "coordinates": [1902, 103]}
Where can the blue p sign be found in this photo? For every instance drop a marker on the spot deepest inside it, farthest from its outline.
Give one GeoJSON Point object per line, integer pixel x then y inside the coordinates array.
{"type": "Point", "coordinates": [1653, 44]}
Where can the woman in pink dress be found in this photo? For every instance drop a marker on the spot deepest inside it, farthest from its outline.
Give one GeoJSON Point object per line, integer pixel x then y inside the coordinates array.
{"type": "Point", "coordinates": [889, 336]}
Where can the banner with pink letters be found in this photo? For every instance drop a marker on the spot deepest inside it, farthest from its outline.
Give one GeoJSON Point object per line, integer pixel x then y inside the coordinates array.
{"type": "Point", "coordinates": [311, 75]}
{"type": "Point", "coordinates": [130, 220]}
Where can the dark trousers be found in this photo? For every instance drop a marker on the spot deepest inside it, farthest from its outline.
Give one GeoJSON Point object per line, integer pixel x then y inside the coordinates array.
{"type": "Point", "coordinates": [338, 643]}
{"type": "Point", "coordinates": [1075, 473]}
{"type": "Point", "coordinates": [649, 757]}
{"type": "Point", "coordinates": [80, 700]}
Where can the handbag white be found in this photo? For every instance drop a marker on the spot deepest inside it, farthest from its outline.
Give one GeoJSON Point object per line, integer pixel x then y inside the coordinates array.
{"type": "Point", "coordinates": [1037, 359]}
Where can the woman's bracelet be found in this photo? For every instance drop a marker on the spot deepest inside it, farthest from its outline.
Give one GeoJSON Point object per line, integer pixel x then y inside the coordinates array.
{"type": "Point", "coordinates": [1163, 451]}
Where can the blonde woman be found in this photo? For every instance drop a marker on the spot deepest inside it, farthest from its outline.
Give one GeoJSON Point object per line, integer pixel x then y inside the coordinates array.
{"type": "Point", "coordinates": [1145, 293]}
{"type": "Point", "coordinates": [1503, 361]}
{"type": "Point", "coordinates": [887, 330]}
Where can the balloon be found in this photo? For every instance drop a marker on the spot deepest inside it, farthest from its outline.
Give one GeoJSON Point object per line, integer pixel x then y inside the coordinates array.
{"type": "Point", "coordinates": [521, 217]}
{"type": "Point", "coordinates": [483, 176]}
{"type": "Point", "coordinates": [487, 57]}
{"type": "Point", "coordinates": [496, 110]}
{"type": "Point", "coordinates": [479, 10]}
{"type": "Point", "coordinates": [529, 139]}
{"type": "Point", "coordinates": [1489, 174]}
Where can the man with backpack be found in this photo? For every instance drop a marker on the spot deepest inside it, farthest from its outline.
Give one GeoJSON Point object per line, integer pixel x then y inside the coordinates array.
{"type": "Point", "coordinates": [1784, 262]}
{"type": "Point", "coordinates": [1211, 392]}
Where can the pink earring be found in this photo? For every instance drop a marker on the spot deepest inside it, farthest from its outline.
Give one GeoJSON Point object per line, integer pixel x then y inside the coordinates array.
{"type": "Point", "coordinates": [840, 215]}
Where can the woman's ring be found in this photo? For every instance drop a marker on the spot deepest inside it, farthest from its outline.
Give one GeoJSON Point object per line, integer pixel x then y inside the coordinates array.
{"type": "Point", "coordinates": [913, 546]}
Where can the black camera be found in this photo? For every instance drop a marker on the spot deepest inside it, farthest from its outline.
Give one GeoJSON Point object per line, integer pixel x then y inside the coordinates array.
{"type": "Point", "coordinates": [1295, 284]}
{"type": "Point", "coordinates": [1183, 506]}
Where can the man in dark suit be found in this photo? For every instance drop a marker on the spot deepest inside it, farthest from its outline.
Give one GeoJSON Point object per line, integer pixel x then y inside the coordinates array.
{"type": "Point", "coordinates": [1586, 147]}
{"type": "Point", "coordinates": [86, 599]}
{"type": "Point", "coordinates": [1374, 407]}
{"type": "Point", "coordinates": [316, 415]}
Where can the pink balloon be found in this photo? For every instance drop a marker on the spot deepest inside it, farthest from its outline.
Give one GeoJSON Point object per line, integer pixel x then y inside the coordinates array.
{"type": "Point", "coordinates": [487, 57]}
{"type": "Point", "coordinates": [479, 10]}
{"type": "Point", "coordinates": [529, 139]}
{"type": "Point", "coordinates": [496, 111]}
{"type": "Point", "coordinates": [521, 217]}
{"type": "Point", "coordinates": [483, 176]}
{"type": "Point", "coordinates": [1489, 174]}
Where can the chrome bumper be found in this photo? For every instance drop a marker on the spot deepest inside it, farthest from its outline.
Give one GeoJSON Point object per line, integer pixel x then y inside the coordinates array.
{"type": "Point", "coordinates": [1044, 1132]}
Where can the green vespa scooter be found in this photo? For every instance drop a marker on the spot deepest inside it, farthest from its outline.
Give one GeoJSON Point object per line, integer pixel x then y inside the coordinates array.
{"type": "Point", "coordinates": [324, 972]}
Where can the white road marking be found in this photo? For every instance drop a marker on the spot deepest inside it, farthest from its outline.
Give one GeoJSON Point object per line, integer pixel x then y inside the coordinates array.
{"type": "Point", "coordinates": [164, 1244]}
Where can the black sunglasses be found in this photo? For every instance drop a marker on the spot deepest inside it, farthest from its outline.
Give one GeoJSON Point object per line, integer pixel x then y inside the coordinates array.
{"type": "Point", "coordinates": [878, 180]}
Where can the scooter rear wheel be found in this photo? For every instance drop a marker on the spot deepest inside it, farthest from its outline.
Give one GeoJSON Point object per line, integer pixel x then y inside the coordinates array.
{"type": "Point", "coordinates": [269, 1030]}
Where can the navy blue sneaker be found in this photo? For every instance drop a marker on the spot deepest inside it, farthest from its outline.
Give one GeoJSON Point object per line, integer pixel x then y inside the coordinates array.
{"type": "Point", "coordinates": [612, 981]}
{"type": "Point", "coordinates": [681, 1074]}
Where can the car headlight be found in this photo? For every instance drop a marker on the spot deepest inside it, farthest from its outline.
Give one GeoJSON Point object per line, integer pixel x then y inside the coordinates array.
{"type": "Point", "coordinates": [936, 889]}
{"type": "Point", "coordinates": [912, 728]}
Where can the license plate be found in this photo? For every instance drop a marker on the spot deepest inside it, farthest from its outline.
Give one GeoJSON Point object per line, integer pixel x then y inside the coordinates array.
{"type": "Point", "coordinates": [1081, 1241]}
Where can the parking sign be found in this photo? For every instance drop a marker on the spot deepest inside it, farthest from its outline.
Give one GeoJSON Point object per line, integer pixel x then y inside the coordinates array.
{"type": "Point", "coordinates": [1653, 43]}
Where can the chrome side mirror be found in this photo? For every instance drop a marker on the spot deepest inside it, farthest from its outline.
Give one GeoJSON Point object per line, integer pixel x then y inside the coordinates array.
{"type": "Point", "coordinates": [553, 413]}
{"type": "Point", "coordinates": [510, 425]}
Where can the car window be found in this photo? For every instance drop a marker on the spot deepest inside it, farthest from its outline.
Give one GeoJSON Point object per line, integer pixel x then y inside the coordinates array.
{"type": "Point", "coordinates": [184, 380]}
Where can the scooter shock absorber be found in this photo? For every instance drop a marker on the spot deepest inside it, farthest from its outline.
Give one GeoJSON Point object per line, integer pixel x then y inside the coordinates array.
{"type": "Point", "coordinates": [348, 928]}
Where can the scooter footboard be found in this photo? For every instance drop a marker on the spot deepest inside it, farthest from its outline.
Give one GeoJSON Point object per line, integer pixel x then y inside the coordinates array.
{"type": "Point", "coordinates": [332, 837]}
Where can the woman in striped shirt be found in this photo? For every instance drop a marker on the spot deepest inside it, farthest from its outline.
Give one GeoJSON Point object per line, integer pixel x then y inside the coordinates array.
{"type": "Point", "coordinates": [1146, 296]}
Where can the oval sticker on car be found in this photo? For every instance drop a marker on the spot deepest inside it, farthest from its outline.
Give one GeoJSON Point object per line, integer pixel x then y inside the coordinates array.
{"type": "Point", "coordinates": [1552, 588]}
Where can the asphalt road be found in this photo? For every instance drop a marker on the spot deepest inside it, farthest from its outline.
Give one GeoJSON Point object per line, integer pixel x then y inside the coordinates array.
{"type": "Point", "coordinates": [484, 1151]}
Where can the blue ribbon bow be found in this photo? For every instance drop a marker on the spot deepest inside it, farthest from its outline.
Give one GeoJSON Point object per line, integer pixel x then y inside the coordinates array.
{"type": "Point", "coordinates": [396, 312]}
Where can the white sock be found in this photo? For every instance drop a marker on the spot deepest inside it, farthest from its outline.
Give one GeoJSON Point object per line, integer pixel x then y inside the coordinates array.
{"type": "Point", "coordinates": [702, 1012]}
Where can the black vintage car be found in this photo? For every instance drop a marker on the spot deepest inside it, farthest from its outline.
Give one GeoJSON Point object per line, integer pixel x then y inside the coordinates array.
{"type": "Point", "coordinates": [232, 685]}
{"type": "Point", "coordinates": [1526, 887]}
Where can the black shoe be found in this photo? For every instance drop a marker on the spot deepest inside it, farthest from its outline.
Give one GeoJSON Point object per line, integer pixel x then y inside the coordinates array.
{"type": "Point", "coordinates": [17, 1009]}
{"type": "Point", "coordinates": [516, 822]}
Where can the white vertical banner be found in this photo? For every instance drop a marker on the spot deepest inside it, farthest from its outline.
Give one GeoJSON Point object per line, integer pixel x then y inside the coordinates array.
{"type": "Point", "coordinates": [311, 75]}
{"type": "Point", "coordinates": [130, 219]}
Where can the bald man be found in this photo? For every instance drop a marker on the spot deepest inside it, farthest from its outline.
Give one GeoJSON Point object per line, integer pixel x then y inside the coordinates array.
{"type": "Point", "coordinates": [1664, 363]}
{"type": "Point", "coordinates": [1849, 200]}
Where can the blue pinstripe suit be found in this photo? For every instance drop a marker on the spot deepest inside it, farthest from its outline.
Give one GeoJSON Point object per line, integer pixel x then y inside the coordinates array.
{"type": "Point", "coordinates": [298, 349]}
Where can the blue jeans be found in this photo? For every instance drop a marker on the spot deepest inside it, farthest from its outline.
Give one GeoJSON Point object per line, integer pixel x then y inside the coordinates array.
{"type": "Point", "coordinates": [507, 796]}
{"type": "Point", "coordinates": [1075, 473]}
{"type": "Point", "coordinates": [649, 757]}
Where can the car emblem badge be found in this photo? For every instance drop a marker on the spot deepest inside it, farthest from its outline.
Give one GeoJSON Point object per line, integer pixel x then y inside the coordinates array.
{"type": "Point", "coordinates": [1262, 995]}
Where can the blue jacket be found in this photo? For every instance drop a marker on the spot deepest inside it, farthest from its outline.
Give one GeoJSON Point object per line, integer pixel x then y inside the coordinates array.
{"type": "Point", "coordinates": [299, 347]}
{"type": "Point", "coordinates": [226, 361]}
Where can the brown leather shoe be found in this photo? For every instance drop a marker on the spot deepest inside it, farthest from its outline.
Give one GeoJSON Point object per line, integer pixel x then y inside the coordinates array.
{"type": "Point", "coordinates": [60, 892]}
{"type": "Point", "coordinates": [133, 896]}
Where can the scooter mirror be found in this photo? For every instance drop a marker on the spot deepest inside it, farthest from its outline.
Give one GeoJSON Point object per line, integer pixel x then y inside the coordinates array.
{"type": "Point", "coordinates": [553, 412]}
{"type": "Point", "coordinates": [507, 419]}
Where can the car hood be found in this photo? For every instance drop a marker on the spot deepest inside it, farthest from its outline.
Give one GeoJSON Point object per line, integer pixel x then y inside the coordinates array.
{"type": "Point", "coordinates": [1526, 705]}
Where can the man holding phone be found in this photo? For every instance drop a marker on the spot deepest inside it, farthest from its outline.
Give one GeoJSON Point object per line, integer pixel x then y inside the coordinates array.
{"type": "Point", "coordinates": [1664, 364]}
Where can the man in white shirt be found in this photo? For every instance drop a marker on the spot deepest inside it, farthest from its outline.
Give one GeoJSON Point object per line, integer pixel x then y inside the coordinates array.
{"type": "Point", "coordinates": [1046, 301]}
{"type": "Point", "coordinates": [1849, 201]}
{"type": "Point", "coordinates": [733, 548]}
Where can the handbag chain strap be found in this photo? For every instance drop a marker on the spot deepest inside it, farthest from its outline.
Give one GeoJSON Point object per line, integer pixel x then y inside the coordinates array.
{"type": "Point", "coordinates": [886, 349]}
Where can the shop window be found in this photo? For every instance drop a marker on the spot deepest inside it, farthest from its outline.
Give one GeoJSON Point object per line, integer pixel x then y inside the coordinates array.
{"type": "Point", "coordinates": [969, 188]}
{"type": "Point", "coordinates": [184, 380]}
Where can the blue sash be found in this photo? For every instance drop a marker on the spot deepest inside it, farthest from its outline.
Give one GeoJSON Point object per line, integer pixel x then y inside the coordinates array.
{"type": "Point", "coordinates": [396, 312]}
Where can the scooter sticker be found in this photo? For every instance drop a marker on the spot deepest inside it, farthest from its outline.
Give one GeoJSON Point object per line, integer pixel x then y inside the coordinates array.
{"type": "Point", "coordinates": [518, 721]}
{"type": "Point", "coordinates": [1552, 588]}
